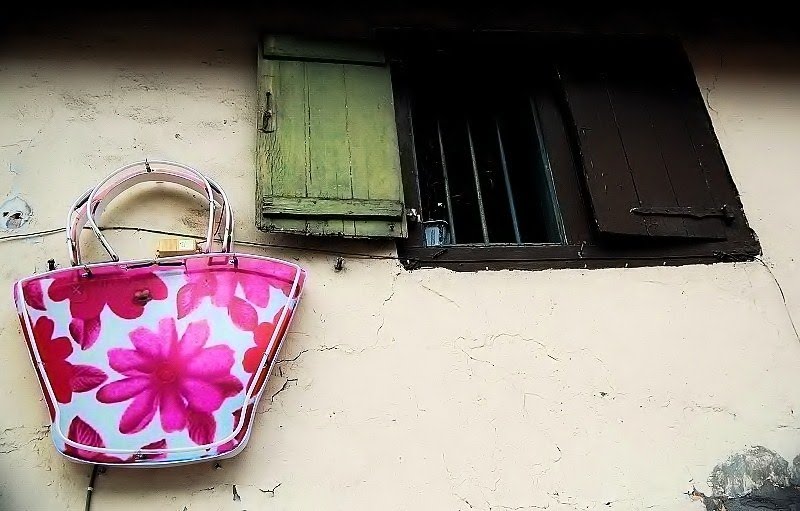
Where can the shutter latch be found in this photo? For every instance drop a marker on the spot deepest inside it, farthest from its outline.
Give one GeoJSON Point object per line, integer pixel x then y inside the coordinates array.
{"type": "Point", "coordinates": [723, 212]}
{"type": "Point", "coordinates": [268, 118]}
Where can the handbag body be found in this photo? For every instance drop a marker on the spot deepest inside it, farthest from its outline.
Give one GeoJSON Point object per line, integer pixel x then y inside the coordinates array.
{"type": "Point", "coordinates": [156, 362]}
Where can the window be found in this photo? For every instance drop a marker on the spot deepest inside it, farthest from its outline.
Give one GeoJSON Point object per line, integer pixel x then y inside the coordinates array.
{"type": "Point", "coordinates": [496, 151]}
{"type": "Point", "coordinates": [560, 152]}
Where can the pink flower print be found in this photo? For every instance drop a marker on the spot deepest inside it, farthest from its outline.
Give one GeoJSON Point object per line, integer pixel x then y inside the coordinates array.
{"type": "Point", "coordinates": [233, 443]}
{"type": "Point", "coordinates": [263, 336]}
{"type": "Point", "coordinates": [220, 285]}
{"type": "Point", "coordinates": [126, 292]}
{"type": "Point", "coordinates": [64, 377]}
{"type": "Point", "coordinates": [202, 427]}
{"type": "Point", "coordinates": [84, 434]}
{"type": "Point", "coordinates": [81, 432]}
{"type": "Point", "coordinates": [54, 353]}
{"type": "Point", "coordinates": [85, 331]}
{"type": "Point", "coordinates": [182, 380]}
{"type": "Point", "coordinates": [34, 297]}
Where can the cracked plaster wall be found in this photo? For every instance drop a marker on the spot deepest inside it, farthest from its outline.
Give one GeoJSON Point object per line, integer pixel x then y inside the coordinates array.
{"type": "Point", "coordinates": [426, 390]}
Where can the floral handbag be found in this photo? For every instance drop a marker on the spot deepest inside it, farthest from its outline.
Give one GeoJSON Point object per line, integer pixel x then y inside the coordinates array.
{"type": "Point", "coordinates": [156, 362]}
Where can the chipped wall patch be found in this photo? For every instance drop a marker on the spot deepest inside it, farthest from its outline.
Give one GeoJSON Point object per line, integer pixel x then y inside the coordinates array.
{"type": "Point", "coordinates": [755, 478]}
{"type": "Point", "coordinates": [14, 213]}
{"type": "Point", "coordinates": [748, 470]}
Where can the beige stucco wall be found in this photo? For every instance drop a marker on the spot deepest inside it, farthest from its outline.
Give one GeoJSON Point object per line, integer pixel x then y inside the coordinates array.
{"type": "Point", "coordinates": [427, 390]}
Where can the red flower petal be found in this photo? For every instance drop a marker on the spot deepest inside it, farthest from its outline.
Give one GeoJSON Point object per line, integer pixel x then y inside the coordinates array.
{"type": "Point", "coordinates": [50, 349]}
{"type": "Point", "coordinates": [85, 378]}
{"type": "Point", "coordinates": [262, 335]}
{"type": "Point", "coordinates": [122, 297]}
{"type": "Point", "coordinates": [85, 331]}
{"type": "Point", "coordinates": [202, 427]}
{"type": "Point", "coordinates": [188, 298]}
{"type": "Point", "coordinates": [33, 294]}
{"type": "Point", "coordinates": [84, 434]}
{"type": "Point", "coordinates": [230, 445]}
{"type": "Point", "coordinates": [242, 313]}
{"type": "Point", "coordinates": [252, 358]}
{"type": "Point", "coordinates": [159, 444]}
{"type": "Point", "coordinates": [59, 374]}
{"type": "Point", "coordinates": [61, 288]}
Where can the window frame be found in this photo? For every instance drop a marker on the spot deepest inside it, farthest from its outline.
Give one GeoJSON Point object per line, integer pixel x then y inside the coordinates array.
{"type": "Point", "coordinates": [583, 246]}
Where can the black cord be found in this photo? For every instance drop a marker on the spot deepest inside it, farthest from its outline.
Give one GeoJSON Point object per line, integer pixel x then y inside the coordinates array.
{"type": "Point", "coordinates": [90, 488]}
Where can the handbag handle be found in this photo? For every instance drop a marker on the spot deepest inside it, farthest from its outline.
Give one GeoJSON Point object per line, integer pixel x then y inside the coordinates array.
{"type": "Point", "coordinates": [91, 204]}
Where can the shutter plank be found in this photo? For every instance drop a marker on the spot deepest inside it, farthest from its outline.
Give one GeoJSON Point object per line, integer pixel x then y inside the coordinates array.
{"type": "Point", "coordinates": [683, 165]}
{"type": "Point", "coordinates": [709, 154]}
{"type": "Point", "coordinates": [315, 206]}
{"type": "Point", "coordinates": [644, 155]}
{"type": "Point", "coordinates": [334, 116]}
{"type": "Point", "coordinates": [643, 126]}
{"type": "Point", "coordinates": [330, 159]}
{"type": "Point", "coordinates": [372, 136]}
{"type": "Point", "coordinates": [605, 166]}
{"type": "Point", "coordinates": [285, 150]}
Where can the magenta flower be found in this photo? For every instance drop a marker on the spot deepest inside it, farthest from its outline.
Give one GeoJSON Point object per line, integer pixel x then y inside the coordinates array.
{"type": "Point", "coordinates": [220, 285]}
{"type": "Point", "coordinates": [182, 380]}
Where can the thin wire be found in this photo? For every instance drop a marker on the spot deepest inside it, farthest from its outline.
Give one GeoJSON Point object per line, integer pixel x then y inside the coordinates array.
{"type": "Point", "coordinates": [36, 234]}
{"type": "Point", "coordinates": [355, 255]}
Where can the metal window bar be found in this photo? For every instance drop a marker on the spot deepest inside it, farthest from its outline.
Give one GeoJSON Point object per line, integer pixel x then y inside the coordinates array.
{"type": "Point", "coordinates": [554, 214]}
{"type": "Point", "coordinates": [481, 210]}
{"type": "Point", "coordinates": [556, 210]}
{"type": "Point", "coordinates": [446, 184]}
{"type": "Point", "coordinates": [511, 206]}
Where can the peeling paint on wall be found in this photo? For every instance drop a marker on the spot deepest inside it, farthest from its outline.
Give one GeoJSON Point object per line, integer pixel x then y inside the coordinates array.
{"type": "Point", "coordinates": [14, 213]}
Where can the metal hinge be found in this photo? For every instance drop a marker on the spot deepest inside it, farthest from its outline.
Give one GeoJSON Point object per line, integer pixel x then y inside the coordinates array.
{"type": "Point", "coordinates": [723, 212]}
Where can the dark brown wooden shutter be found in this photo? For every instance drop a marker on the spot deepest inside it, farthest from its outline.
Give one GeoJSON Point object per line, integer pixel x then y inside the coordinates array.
{"type": "Point", "coordinates": [646, 143]}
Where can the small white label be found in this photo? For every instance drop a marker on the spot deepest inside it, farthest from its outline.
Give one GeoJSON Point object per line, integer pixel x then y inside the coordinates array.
{"type": "Point", "coordinates": [185, 244]}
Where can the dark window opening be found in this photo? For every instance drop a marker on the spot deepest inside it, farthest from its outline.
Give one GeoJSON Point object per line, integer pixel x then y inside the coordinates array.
{"type": "Point", "coordinates": [483, 171]}
{"type": "Point", "coordinates": [522, 151]}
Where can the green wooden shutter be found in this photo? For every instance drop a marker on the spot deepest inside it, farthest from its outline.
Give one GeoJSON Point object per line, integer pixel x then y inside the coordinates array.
{"type": "Point", "coordinates": [327, 153]}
